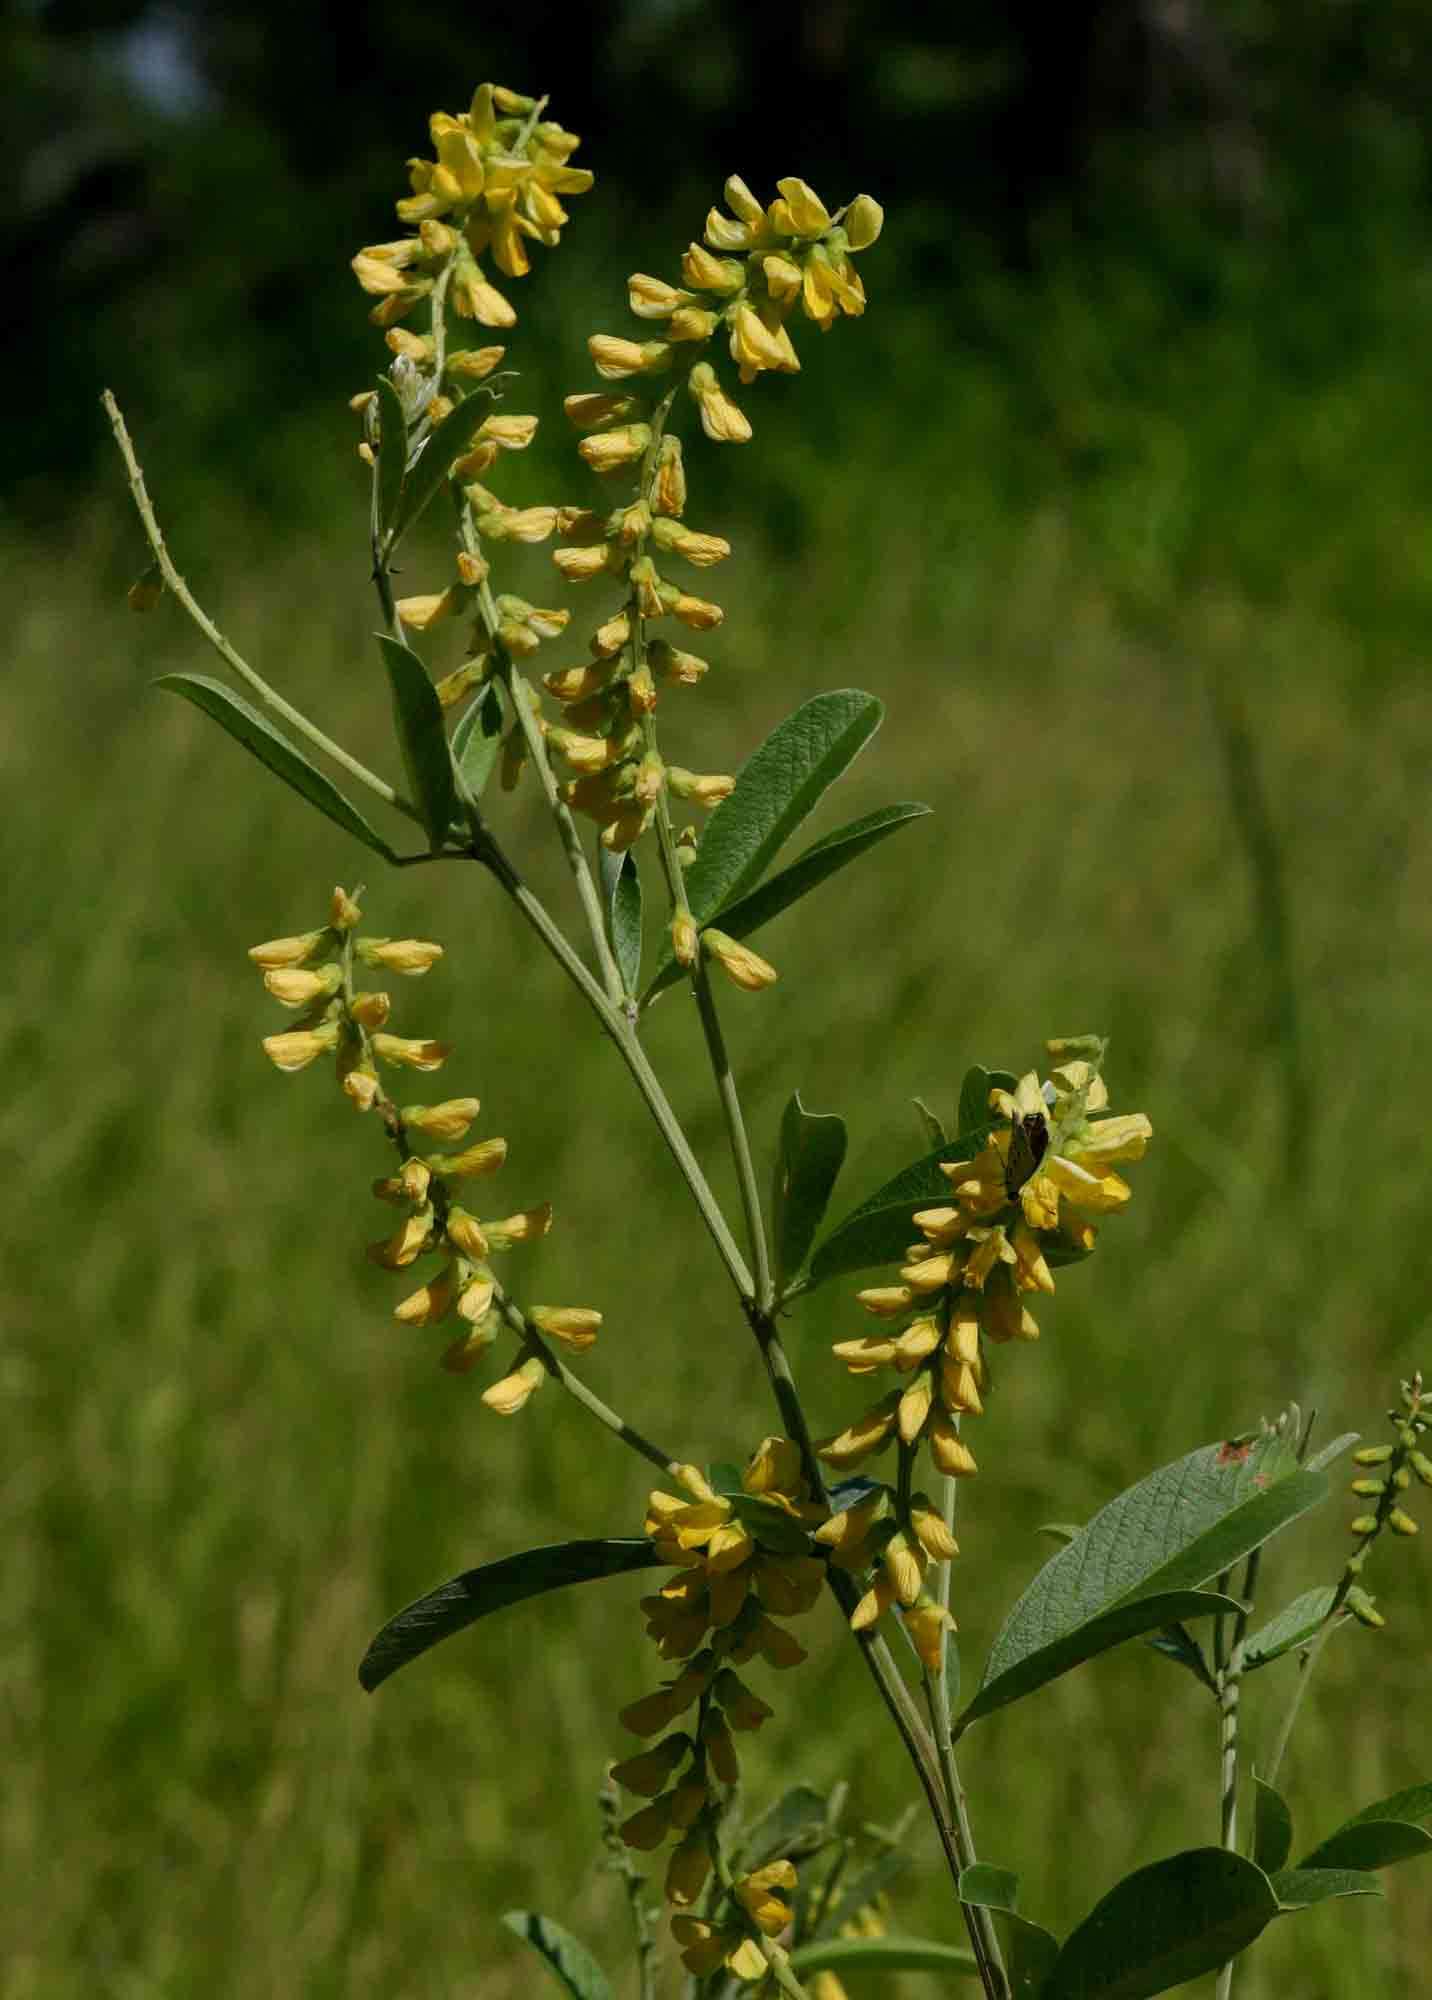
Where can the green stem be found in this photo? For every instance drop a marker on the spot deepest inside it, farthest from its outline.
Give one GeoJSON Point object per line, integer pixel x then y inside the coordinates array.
{"type": "Point", "coordinates": [1229, 1681]}
{"type": "Point", "coordinates": [618, 1030]}
{"type": "Point", "coordinates": [269, 697]}
{"type": "Point", "coordinates": [533, 1339]}
{"type": "Point", "coordinates": [736, 1131]}
{"type": "Point", "coordinates": [1306, 1662]}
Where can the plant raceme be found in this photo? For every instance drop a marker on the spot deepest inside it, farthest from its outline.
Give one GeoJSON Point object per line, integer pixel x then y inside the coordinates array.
{"type": "Point", "coordinates": [955, 1249]}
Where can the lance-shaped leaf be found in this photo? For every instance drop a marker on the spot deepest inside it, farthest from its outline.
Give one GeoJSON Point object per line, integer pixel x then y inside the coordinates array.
{"type": "Point", "coordinates": [869, 1885]}
{"type": "Point", "coordinates": [878, 1231]}
{"type": "Point", "coordinates": [1164, 1925]}
{"type": "Point", "coordinates": [777, 786]}
{"type": "Point", "coordinates": [1293, 1626]}
{"type": "Point", "coordinates": [392, 455]}
{"type": "Point", "coordinates": [477, 740]}
{"type": "Point", "coordinates": [816, 865]}
{"type": "Point", "coordinates": [566, 1957]}
{"type": "Point", "coordinates": [797, 1823]}
{"type": "Point", "coordinates": [1150, 1547]}
{"type": "Point", "coordinates": [1272, 1827]}
{"type": "Point", "coordinates": [1301, 1888]}
{"type": "Point", "coordinates": [453, 1606]}
{"type": "Point", "coordinates": [621, 893]}
{"type": "Point", "coordinates": [1375, 1839]}
{"type": "Point", "coordinates": [422, 737]}
{"type": "Point", "coordinates": [262, 740]}
{"type": "Point", "coordinates": [427, 472]}
{"type": "Point", "coordinates": [881, 1955]}
{"type": "Point", "coordinates": [1029, 1950]}
{"type": "Point", "coordinates": [810, 1156]}
{"type": "Point", "coordinates": [931, 1123]}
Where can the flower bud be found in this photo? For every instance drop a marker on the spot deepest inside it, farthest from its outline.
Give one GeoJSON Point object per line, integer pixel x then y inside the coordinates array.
{"type": "Point", "coordinates": [684, 938]}
{"type": "Point", "coordinates": [473, 1163]}
{"type": "Point", "coordinates": [653, 298]}
{"type": "Point", "coordinates": [931, 1530]}
{"type": "Point", "coordinates": [927, 1623]}
{"type": "Point", "coordinates": [431, 1303]}
{"type": "Point", "coordinates": [474, 364]}
{"type": "Point", "coordinates": [614, 358]}
{"type": "Point", "coordinates": [574, 1326]}
{"type": "Point", "coordinates": [863, 222]}
{"type": "Point", "coordinates": [609, 451]}
{"type": "Point", "coordinates": [527, 1227]}
{"type": "Point", "coordinates": [411, 1052]}
{"type": "Point", "coordinates": [649, 1827]}
{"type": "Point", "coordinates": [648, 1772]}
{"type": "Point", "coordinates": [589, 411]}
{"type": "Point", "coordinates": [448, 1120]}
{"type": "Point", "coordinates": [706, 790]}
{"type": "Point", "coordinates": [1401, 1523]}
{"type": "Point", "coordinates": [740, 964]}
{"type": "Point", "coordinates": [687, 1870]}
{"type": "Point", "coordinates": [465, 1233]}
{"type": "Point", "coordinates": [295, 986]}
{"type": "Point", "coordinates": [369, 1010]}
{"type": "Point", "coordinates": [281, 953]}
{"type": "Point", "coordinates": [705, 273]}
{"type": "Point", "coordinates": [721, 420]}
{"type": "Point", "coordinates": [808, 214]}
{"type": "Point", "coordinates": [509, 1395]}
{"type": "Point", "coordinates": [297, 1049]}
{"type": "Point", "coordinates": [669, 490]}
{"type": "Point", "coordinates": [692, 323]}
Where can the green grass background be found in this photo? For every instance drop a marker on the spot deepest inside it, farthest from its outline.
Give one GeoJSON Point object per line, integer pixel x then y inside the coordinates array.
{"type": "Point", "coordinates": [225, 1464]}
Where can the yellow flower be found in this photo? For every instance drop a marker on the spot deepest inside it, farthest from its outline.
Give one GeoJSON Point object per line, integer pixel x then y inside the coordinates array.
{"type": "Point", "coordinates": [509, 1395]}
{"type": "Point", "coordinates": [740, 964]}
{"type": "Point", "coordinates": [287, 951]}
{"type": "Point", "coordinates": [448, 1120]}
{"type": "Point", "coordinates": [574, 1326]}
{"type": "Point", "coordinates": [721, 420]}
{"type": "Point", "coordinates": [412, 1053]}
{"type": "Point", "coordinates": [299, 1047]}
{"type": "Point", "coordinates": [410, 956]}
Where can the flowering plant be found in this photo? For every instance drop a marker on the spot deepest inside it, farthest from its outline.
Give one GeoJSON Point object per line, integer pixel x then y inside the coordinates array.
{"type": "Point", "coordinates": [956, 1247]}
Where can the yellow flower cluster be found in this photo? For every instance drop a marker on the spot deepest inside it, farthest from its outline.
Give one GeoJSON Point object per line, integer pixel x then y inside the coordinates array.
{"type": "Point", "coordinates": [494, 186]}
{"type": "Point", "coordinates": [314, 971]}
{"type": "Point", "coordinates": [795, 252]}
{"type": "Point", "coordinates": [1028, 1196]}
{"type": "Point", "coordinates": [743, 1563]}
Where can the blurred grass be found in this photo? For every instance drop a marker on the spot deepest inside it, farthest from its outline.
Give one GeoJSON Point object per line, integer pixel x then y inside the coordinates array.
{"type": "Point", "coordinates": [226, 1464]}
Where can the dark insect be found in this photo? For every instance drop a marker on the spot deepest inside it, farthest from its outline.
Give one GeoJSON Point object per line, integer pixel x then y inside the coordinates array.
{"type": "Point", "coordinates": [1028, 1143]}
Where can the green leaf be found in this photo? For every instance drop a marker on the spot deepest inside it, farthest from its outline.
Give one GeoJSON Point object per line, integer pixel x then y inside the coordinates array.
{"type": "Point", "coordinates": [429, 470]}
{"type": "Point", "coordinates": [1143, 1554]}
{"type": "Point", "coordinates": [262, 740]}
{"type": "Point", "coordinates": [810, 1156]}
{"type": "Point", "coordinates": [1086, 1641]}
{"type": "Point", "coordinates": [422, 737]}
{"type": "Point", "coordinates": [870, 1884]}
{"type": "Point", "coordinates": [1300, 1888]}
{"type": "Point", "coordinates": [796, 1824]}
{"type": "Point", "coordinates": [621, 891]}
{"type": "Point", "coordinates": [881, 1954]}
{"type": "Point", "coordinates": [567, 1957]}
{"type": "Point", "coordinates": [931, 1124]}
{"type": "Point", "coordinates": [455, 1605]}
{"type": "Point", "coordinates": [974, 1094]}
{"type": "Point", "coordinates": [1185, 1523]}
{"type": "Point", "coordinates": [1164, 1925]}
{"type": "Point", "coordinates": [1178, 1644]}
{"type": "Point", "coordinates": [1332, 1451]}
{"type": "Point", "coordinates": [1272, 1828]}
{"type": "Point", "coordinates": [777, 786]}
{"type": "Point", "coordinates": [772, 1527]}
{"type": "Point", "coordinates": [1293, 1626]}
{"type": "Point", "coordinates": [1370, 1843]}
{"type": "Point", "coordinates": [1413, 1803]}
{"type": "Point", "coordinates": [1029, 1950]}
{"type": "Point", "coordinates": [826, 858]}
{"type": "Point", "coordinates": [877, 1231]}
{"type": "Point", "coordinates": [477, 740]}
{"type": "Point", "coordinates": [392, 453]}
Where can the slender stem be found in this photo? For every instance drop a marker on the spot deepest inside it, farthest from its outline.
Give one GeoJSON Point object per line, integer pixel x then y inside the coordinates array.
{"type": "Point", "coordinates": [736, 1131]}
{"type": "Point", "coordinates": [1229, 1680]}
{"type": "Point", "coordinates": [533, 1339]}
{"type": "Point", "coordinates": [634, 1882]}
{"type": "Point", "coordinates": [619, 1031]}
{"type": "Point", "coordinates": [937, 1701]}
{"type": "Point", "coordinates": [1307, 1660]}
{"type": "Point", "coordinates": [182, 594]}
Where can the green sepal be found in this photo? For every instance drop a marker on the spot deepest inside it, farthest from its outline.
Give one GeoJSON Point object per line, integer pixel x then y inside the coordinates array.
{"type": "Point", "coordinates": [422, 737]}
{"type": "Point", "coordinates": [455, 1605]}
{"type": "Point", "coordinates": [262, 740]}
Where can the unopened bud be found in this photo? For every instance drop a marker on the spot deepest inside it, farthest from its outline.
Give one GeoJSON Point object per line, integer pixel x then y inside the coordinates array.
{"type": "Point", "coordinates": [509, 1395]}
